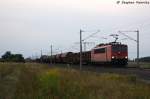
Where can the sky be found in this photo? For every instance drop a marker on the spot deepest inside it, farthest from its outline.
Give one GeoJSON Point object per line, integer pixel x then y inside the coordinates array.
{"type": "Point", "coordinates": [29, 26]}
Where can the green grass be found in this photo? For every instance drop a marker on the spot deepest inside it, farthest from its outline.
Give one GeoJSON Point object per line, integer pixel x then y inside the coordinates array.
{"type": "Point", "coordinates": [142, 64]}
{"type": "Point", "coordinates": [39, 81]}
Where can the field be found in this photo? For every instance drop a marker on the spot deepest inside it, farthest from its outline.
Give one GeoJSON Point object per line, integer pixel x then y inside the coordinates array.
{"type": "Point", "coordinates": [142, 64]}
{"type": "Point", "coordinates": [43, 81]}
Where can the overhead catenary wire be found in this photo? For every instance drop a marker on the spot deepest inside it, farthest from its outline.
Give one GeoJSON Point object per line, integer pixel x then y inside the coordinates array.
{"type": "Point", "coordinates": [90, 35]}
{"type": "Point", "coordinates": [121, 32]}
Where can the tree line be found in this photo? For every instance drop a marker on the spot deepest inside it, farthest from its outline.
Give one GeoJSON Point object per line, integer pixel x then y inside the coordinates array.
{"type": "Point", "coordinates": [144, 59]}
{"type": "Point", "coordinates": [9, 57]}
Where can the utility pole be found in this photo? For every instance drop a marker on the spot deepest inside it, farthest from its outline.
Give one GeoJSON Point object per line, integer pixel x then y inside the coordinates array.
{"type": "Point", "coordinates": [137, 41]}
{"type": "Point", "coordinates": [41, 57]}
{"type": "Point", "coordinates": [81, 40]}
{"type": "Point", "coordinates": [41, 53]}
{"type": "Point", "coordinates": [81, 49]}
{"type": "Point", "coordinates": [51, 53]}
{"type": "Point", "coordinates": [138, 48]}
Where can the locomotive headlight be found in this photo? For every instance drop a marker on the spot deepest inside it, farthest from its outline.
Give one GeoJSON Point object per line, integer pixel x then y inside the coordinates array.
{"type": "Point", "coordinates": [112, 57]}
{"type": "Point", "coordinates": [126, 57]}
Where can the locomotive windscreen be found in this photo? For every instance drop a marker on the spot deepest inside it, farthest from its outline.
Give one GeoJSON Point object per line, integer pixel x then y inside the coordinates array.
{"type": "Point", "coordinates": [119, 48]}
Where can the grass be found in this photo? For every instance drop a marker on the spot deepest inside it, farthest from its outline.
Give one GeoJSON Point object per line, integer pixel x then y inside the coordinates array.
{"type": "Point", "coordinates": [145, 65]}
{"type": "Point", "coordinates": [39, 81]}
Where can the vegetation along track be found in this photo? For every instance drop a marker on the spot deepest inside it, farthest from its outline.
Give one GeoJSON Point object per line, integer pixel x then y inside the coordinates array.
{"type": "Point", "coordinates": [143, 74]}
{"type": "Point", "coordinates": [46, 81]}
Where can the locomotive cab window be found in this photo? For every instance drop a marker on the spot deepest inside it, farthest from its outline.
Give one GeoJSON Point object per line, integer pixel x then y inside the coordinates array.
{"type": "Point", "coordinates": [101, 50]}
{"type": "Point", "coordinates": [119, 48]}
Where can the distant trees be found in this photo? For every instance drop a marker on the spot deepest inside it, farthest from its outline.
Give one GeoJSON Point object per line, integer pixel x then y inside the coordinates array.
{"type": "Point", "coordinates": [144, 59]}
{"type": "Point", "coordinates": [9, 57]}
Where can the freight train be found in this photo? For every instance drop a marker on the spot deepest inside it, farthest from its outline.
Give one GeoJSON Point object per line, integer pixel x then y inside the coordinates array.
{"type": "Point", "coordinates": [110, 53]}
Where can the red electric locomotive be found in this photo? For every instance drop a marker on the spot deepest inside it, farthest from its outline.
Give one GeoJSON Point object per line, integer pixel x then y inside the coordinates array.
{"type": "Point", "coordinates": [114, 53]}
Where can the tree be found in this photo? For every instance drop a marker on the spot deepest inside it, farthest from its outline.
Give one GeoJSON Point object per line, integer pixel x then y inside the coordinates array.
{"type": "Point", "coordinates": [8, 57]}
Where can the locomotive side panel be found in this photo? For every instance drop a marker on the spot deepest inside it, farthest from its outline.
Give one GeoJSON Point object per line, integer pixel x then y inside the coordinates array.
{"type": "Point", "coordinates": [99, 54]}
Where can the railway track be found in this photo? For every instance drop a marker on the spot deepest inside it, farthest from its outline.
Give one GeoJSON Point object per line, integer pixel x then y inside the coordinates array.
{"type": "Point", "coordinates": [142, 74]}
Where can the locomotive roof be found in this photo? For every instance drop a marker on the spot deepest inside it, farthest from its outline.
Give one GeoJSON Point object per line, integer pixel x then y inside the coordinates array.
{"type": "Point", "coordinates": [111, 43]}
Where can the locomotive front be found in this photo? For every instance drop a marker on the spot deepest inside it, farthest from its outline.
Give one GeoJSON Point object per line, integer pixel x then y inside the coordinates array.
{"type": "Point", "coordinates": [119, 54]}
